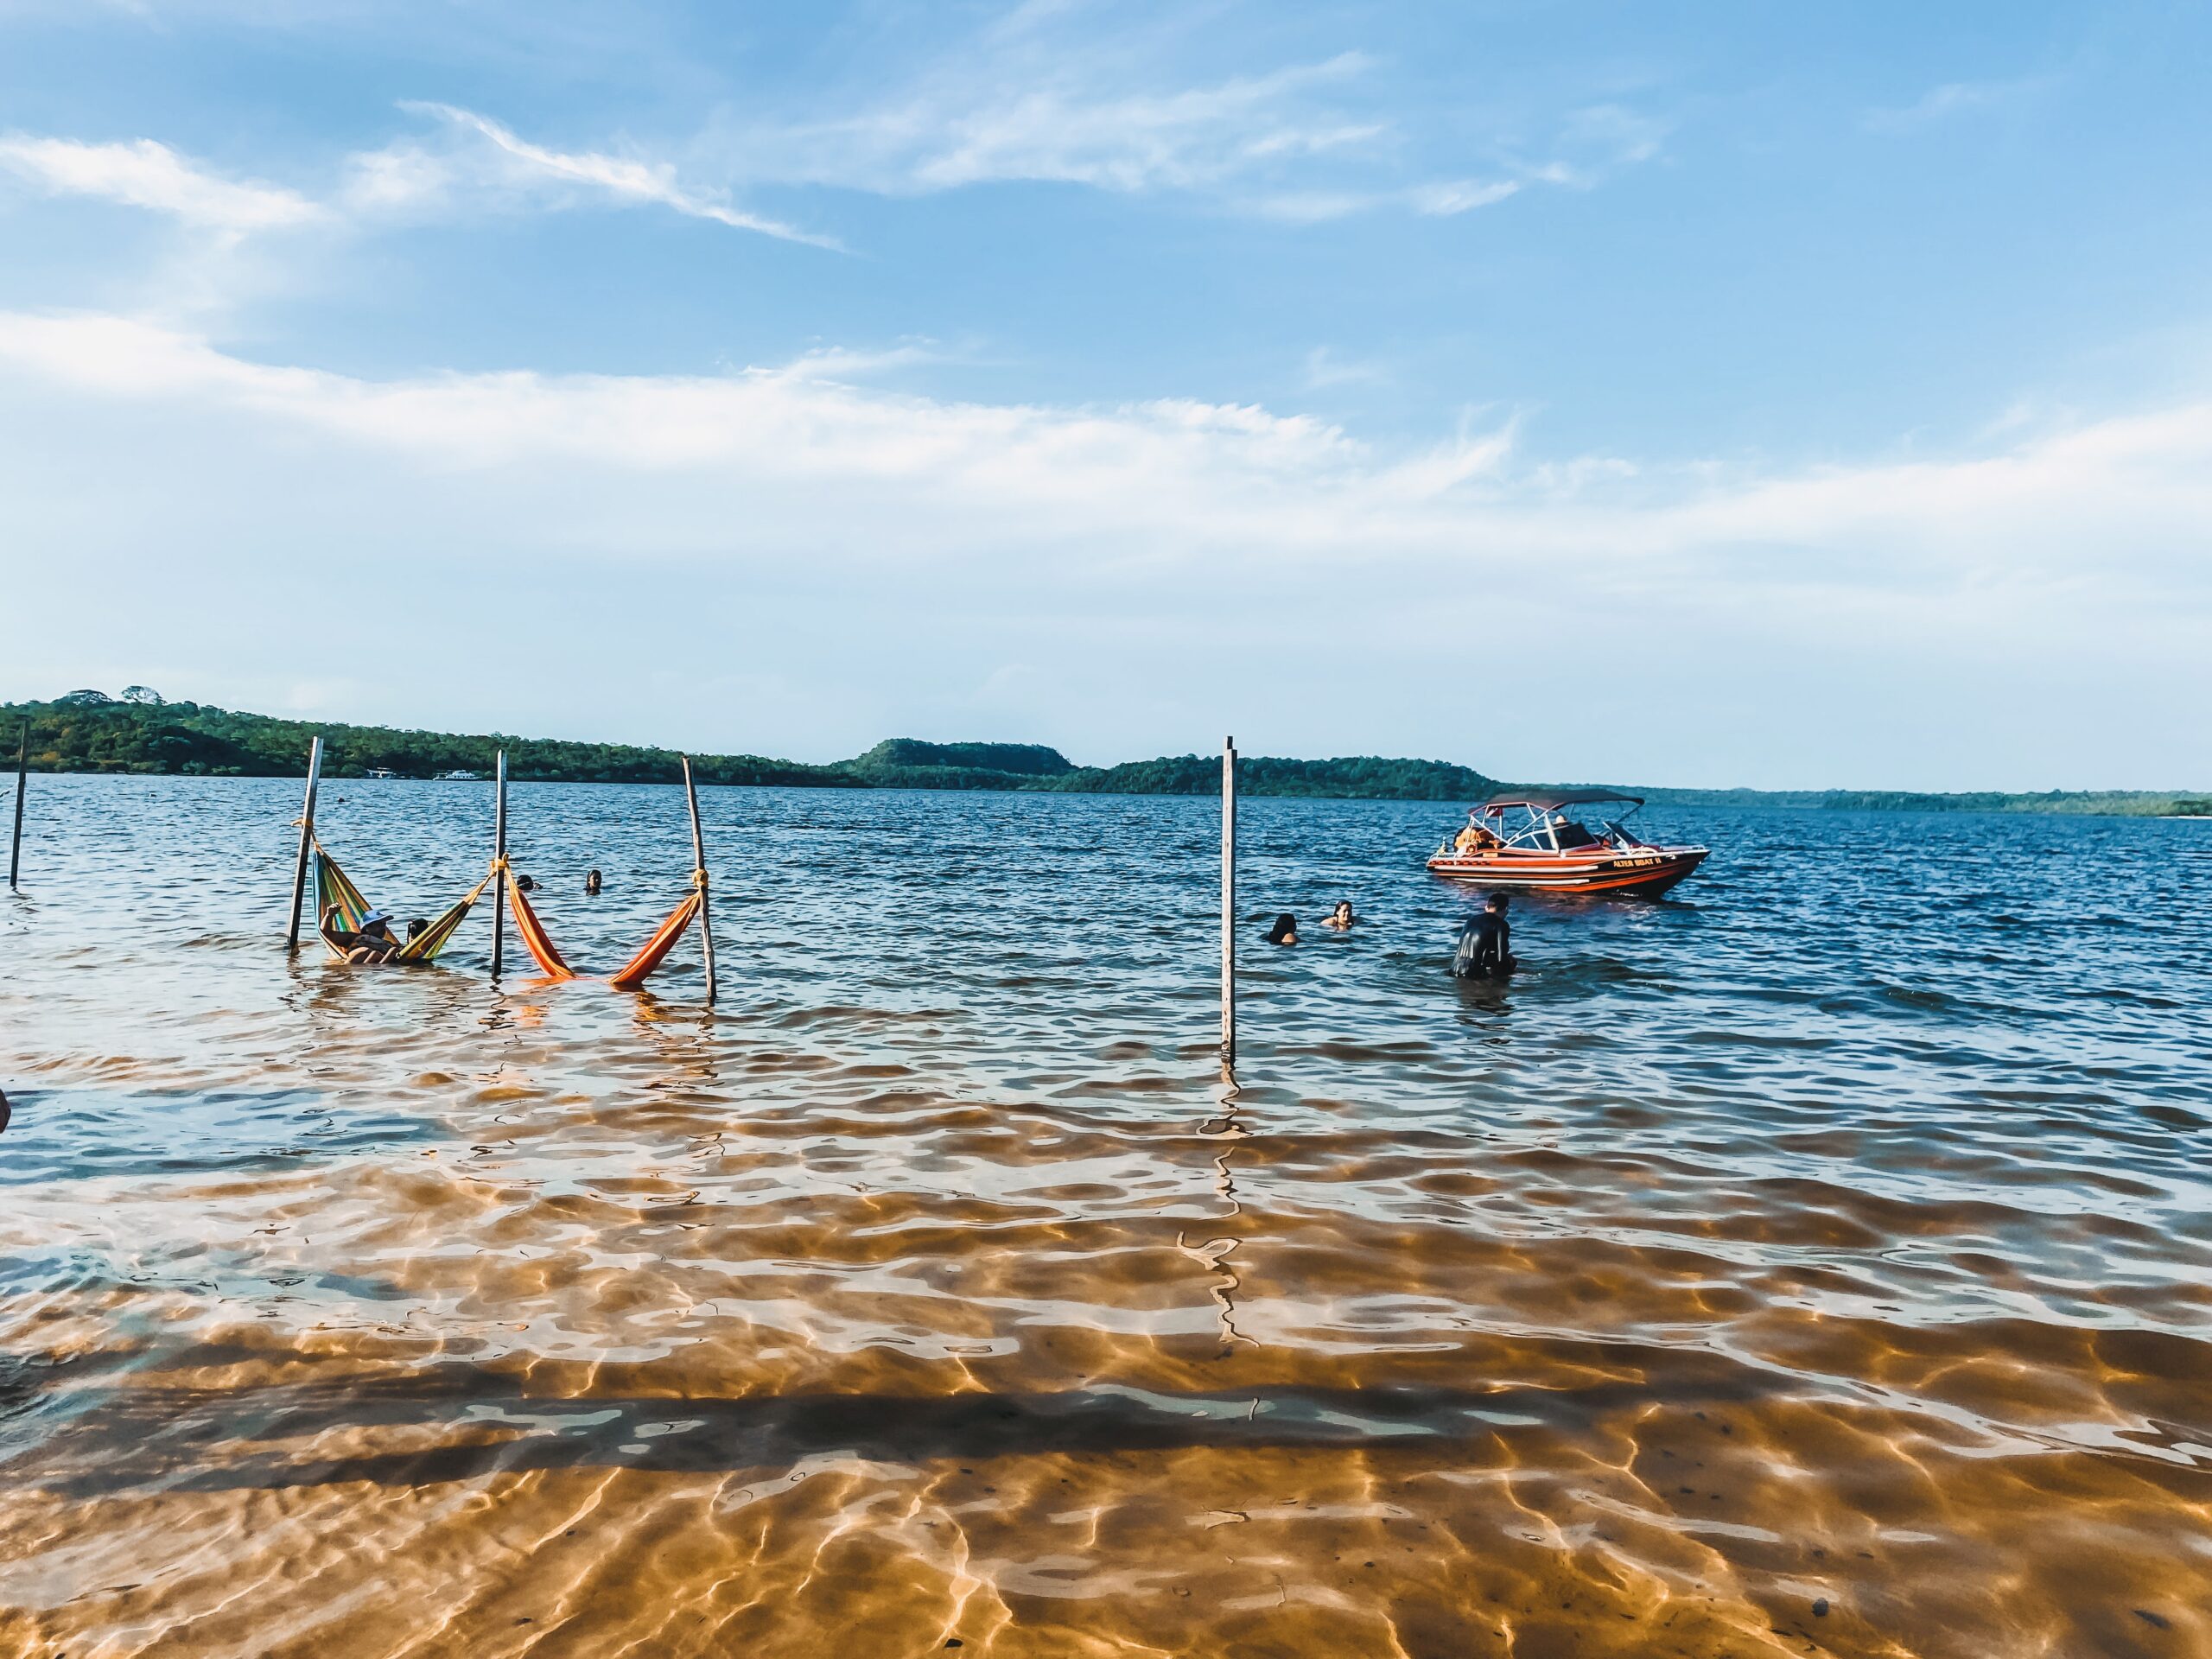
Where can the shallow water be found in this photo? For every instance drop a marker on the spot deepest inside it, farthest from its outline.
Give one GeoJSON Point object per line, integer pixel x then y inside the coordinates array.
{"type": "Point", "coordinates": [1820, 1260]}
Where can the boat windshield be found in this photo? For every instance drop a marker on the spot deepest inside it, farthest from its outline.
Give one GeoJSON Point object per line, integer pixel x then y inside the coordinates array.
{"type": "Point", "coordinates": [1553, 826]}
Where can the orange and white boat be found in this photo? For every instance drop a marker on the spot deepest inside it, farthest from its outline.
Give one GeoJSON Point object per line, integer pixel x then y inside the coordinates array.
{"type": "Point", "coordinates": [1544, 850]}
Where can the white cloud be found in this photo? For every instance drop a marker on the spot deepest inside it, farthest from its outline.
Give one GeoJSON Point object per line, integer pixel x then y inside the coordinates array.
{"type": "Point", "coordinates": [1324, 368]}
{"type": "Point", "coordinates": [1158, 562]}
{"type": "Point", "coordinates": [2123, 498]}
{"type": "Point", "coordinates": [1950, 99]}
{"type": "Point", "coordinates": [1013, 108]}
{"type": "Point", "coordinates": [1033, 98]}
{"type": "Point", "coordinates": [150, 175]}
{"type": "Point", "coordinates": [1451, 196]}
{"type": "Point", "coordinates": [409, 176]}
{"type": "Point", "coordinates": [406, 180]}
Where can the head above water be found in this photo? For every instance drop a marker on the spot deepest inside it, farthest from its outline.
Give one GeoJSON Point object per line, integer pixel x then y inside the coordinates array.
{"type": "Point", "coordinates": [1285, 931]}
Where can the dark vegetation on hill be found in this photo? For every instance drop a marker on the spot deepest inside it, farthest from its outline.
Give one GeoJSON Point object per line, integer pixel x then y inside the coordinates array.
{"type": "Point", "coordinates": [89, 731]}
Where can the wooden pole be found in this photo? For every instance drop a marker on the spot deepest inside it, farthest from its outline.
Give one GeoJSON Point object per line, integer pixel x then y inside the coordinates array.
{"type": "Point", "coordinates": [699, 864]}
{"type": "Point", "coordinates": [22, 777]}
{"type": "Point", "coordinates": [307, 844]}
{"type": "Point", "coordinates": [1227, 904]}
{"type": "Point", "coordinates": [499, 875]}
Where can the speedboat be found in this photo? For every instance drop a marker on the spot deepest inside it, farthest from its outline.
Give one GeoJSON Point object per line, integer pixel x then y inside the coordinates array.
{"type": "Point", "coordinates": [1544, 850]}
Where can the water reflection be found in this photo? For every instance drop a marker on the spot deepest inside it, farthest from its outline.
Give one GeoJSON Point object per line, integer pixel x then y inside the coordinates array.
{"type": "Point", "coordinates": [1750, 1253]}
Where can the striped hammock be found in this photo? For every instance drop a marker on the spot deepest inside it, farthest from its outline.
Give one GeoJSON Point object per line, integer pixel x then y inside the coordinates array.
{"type": "Point", "coordinates": [335, 890]}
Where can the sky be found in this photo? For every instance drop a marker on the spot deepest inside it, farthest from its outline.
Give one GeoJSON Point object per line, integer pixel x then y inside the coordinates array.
{"type": "Point", "coordinates": [1710, 394]}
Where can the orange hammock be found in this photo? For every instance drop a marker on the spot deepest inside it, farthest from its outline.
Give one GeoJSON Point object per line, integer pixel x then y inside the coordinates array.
{"type": "Point", "coordinates": [631, 975]}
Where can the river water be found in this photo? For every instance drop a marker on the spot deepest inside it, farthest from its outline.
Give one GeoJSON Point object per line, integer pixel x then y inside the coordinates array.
{"type": "Point", "coordinates": [1818, 1261]}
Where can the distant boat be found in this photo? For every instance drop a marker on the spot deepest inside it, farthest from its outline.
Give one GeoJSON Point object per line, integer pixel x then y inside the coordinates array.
{"type": "Point", "coordinates": [460, 775]}
{"type": "Point", "coordinates": [1549, 852]}
{"type": "Point", "coordinates": [379, 772]}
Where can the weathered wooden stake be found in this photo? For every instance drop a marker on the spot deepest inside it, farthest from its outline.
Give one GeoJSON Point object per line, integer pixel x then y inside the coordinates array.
{"type": "Point", "coordinates": [23, 776]}
{"type": "Point", "coordinates": [307, 844]}
{"type": "Point", "coordinates": [498, 859]}
{"type": "Point", "coordinates": [1227, 904]}
{"type": "Point", "coordinates": [699, 863]}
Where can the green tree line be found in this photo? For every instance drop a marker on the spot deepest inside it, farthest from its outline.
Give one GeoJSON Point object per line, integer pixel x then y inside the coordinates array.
{"type": "Point", "coordinates": [141, 731]}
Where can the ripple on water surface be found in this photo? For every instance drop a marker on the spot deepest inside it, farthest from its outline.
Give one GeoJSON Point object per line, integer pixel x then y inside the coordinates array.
{"type": "Point", "coordinates": [1817, 1262]}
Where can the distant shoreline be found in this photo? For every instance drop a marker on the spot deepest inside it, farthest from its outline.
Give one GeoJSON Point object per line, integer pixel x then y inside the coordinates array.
{"type": "Point", "coordinates": [141, 735]}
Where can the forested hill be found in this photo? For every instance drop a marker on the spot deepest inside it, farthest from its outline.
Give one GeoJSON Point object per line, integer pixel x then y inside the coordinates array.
{"type": "Point", "coordinates": [139, 732]}
{"type": "Point", "coordinates": [88, 731]}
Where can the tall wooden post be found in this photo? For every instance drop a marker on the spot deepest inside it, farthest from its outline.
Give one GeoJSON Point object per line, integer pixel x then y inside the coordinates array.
{"type": "Point", "coordinates": [1227, 904]}
{"type": "Point", "coordinates": [307, 844]}
{"type": "Point", "coordinates": [699, 864]}
{"type": "Point", "coordinates": [499, 857]}
{"type": "Point", "coordinates": [22, 777]}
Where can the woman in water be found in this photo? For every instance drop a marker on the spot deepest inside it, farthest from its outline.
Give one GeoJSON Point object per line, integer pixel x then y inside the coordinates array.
{"type": "Point", "coordinates": [1285, 931]}
{"type": "Point", "coordinates": [1341, 917]}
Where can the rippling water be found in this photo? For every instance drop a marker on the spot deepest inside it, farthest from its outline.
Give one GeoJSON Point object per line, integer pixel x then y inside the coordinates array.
{"type": "Point", "coordinates": [1820, 1260]}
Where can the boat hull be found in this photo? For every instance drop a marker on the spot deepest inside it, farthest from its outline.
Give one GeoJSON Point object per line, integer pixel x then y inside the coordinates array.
{"type": "Point", "coordinates": [1639, 873]}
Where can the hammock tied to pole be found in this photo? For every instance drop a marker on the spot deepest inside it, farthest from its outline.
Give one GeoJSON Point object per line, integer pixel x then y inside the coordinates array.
{"type": "Point", "coordinates": [333, 890]}
{"type": "Point", "coordinates": [631, 975]}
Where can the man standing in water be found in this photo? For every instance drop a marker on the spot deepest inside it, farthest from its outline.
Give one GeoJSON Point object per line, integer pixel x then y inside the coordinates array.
{"type": "Point", "coordinates": [1485, 943]}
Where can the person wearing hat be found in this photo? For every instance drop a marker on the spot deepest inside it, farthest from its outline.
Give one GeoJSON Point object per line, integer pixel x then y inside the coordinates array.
{"type": "Point", "coordinates": [373, 943]}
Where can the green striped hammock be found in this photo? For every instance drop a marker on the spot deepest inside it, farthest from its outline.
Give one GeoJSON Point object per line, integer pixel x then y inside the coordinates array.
{"type": "Point", "coordinates": [335, 890]}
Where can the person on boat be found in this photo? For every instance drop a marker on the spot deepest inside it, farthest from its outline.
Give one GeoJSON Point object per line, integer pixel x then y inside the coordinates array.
{"type": "Point", "coordinates": [591, 883]}
{"type": "Point", "coordinates": [1477, 836]}
{"type": "Point", "coordinates": [1285, 931]}
{"type": "Point", "coordinates": [1485, 948]}
{"type": "Point", "coordinates": [1341, 917]}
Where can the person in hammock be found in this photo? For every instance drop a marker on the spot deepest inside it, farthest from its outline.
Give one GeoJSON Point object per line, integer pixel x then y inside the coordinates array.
{"type": "Point", "coordinates": [372, 941]}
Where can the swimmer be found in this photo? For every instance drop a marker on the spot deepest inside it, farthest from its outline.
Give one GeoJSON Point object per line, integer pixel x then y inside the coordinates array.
{"type": "Point", "coordinates": [1485, 943]}
{"type": "Point", "coordinates": [1285, 931]}
{"type": "Point", "coordinates": [591, 882]}
{"type": "Point", "coordinates": [1341, 917]}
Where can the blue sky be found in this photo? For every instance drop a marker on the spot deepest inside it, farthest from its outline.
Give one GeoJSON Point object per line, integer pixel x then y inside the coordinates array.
{"type": "Point", "coordinates": [1716, 394]}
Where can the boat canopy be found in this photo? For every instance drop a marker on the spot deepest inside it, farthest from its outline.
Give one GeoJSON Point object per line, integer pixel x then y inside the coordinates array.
{"type": "Point", "coordinates": [1550, 800]}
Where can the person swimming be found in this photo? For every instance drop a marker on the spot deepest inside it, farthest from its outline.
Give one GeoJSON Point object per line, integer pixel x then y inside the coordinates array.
{"type": "Point", "coordinates": [591, 882]}
{"type": "Point", "coordinates": [1485, 947]}
{"type": "Point", "coordinates": [1285, 931]}
{"type": "Point", "coordinates": [1341, 917]}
